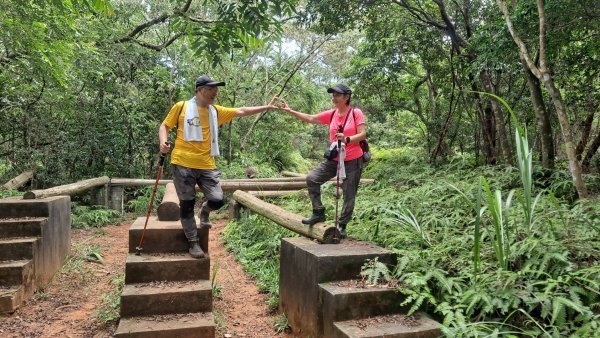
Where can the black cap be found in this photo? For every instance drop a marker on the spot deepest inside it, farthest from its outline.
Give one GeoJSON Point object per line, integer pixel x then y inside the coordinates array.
{"type": "Point", "coordinates": [205, 80]}
{"type": "Point", "coordinates": [340, 88]}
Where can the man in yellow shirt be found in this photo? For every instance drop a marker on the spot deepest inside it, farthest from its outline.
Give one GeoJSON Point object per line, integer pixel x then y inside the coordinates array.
{"type": "Point", "coordinates": [196, 146]}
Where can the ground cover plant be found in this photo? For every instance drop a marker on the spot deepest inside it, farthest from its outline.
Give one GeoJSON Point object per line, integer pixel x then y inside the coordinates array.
{"type": "Point", "coordinates": [489, 270]}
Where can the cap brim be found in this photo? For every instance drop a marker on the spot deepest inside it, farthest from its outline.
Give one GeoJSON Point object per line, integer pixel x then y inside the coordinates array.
{"type": "Point", "coordinates": [215, 84]}
{"type": "Point", "coordinates": [333, 90]}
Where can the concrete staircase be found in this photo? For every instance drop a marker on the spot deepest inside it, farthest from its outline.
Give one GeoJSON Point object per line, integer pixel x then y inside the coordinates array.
{"type": "Point", "coordinates": [317, 306]}
{"type": "Point", "coordinates": [167, 293]}
{"type": "Point", "coordinates": [35, 237]}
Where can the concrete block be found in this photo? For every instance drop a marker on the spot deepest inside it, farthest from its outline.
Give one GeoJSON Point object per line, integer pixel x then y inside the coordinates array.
{"type": "Point", "coordinates": [426, 328]}
{"type": "Point", "coordinates": [165, 267]}
{"type": "Point", "coordinates": [22, 227]}
{"type": "Point", "coordinates": [304, 264]}
{"type": "Point", "coordinates": [11, 298]}
{"type": "Point", "coordinates": [201, 325]}
{"type": "Point", "coordinates": [166, 298]}
{"type": "Point", "coordinates": [163, 236]}
{"type": "Point", "coordinates": [344, 303]}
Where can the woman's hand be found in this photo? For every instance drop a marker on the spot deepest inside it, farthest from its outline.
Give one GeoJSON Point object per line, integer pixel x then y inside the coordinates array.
{"type": "Point", "coordinates": [340, 137]}
{"type": "Point", "coordinates": [284, 106]}
{"type": "Point", "coordinates": [165, 147]}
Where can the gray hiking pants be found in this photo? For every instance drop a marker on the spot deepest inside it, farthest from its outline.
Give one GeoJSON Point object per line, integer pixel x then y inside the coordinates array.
{"type": "Point", "coordinates": [185, 180]}
{"type": "Point", "coordinates": [327, 170]}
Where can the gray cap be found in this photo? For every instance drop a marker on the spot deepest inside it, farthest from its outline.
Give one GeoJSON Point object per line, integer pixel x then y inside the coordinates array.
{"type": "Point", "coordinates": [205, 80]}
{"type": "Point", "coordinates": [340, 88]}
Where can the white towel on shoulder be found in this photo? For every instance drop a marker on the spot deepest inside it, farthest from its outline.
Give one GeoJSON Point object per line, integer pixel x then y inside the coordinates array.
{"type": "Point", "coordinates": [341, 158]}
{"type": "Point", "coordinates": [192, 130]}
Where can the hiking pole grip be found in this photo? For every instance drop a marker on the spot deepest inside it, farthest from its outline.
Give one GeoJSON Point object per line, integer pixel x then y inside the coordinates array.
{"type": "Point", "coordinates": [161, 161]}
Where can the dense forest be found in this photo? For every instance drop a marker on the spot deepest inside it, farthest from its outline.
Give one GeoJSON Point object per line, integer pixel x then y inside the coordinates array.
{"type": "Point", "coordinates": [481, 115]}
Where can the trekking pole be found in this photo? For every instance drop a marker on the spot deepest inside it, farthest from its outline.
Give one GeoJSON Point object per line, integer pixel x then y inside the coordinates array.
{"type": "Point", "coordinates": [336, 236]}
{"type": "Point", "coordinates": [161, 162]}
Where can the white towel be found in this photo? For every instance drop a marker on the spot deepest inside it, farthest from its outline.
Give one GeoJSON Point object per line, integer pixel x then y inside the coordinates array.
{"type": "Point", "coordinates": [192, 130]}
{"type": "Point", "coordinates": [341, 158]}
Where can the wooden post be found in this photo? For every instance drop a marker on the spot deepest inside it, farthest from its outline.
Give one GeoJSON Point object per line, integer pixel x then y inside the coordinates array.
{"type": "Point", "coordinates": [322, 232]}
{"type": "Point", "coordinates": [168, 210]}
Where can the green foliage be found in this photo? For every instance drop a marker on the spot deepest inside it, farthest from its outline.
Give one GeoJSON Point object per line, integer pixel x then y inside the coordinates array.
{"type": "Point", "coordinates": [282, 324]}
{"type": "Point", "coordinates": [216, 288]}
{"type": "Point", "coordinates": [108, 310]}
{"type": "Point", "coordinates": [4, 193]}
{"type": "Point", "coordinates": [141, 200]}
{"type": "Point", "coordinates": [374, 272]}
{"type": "Point", "coordinates": [83, 217]}
{"type": "Point", "coordinates": [255, 242]}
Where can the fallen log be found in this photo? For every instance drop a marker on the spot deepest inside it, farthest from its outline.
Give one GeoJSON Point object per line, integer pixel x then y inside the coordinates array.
{"type": "Point", "coordinates": [67, 189]}
{"type": "Point", "coordinates": [136, 182]}
{"type": "Point", "coordinates": [19, 180]}
{"type": "Point", "coordinates": [322, 232]}
{"type": "Point", "coordinates": [168, 209]}
{"type": "Point", "coordinates": [279, 193]}
{"type": "Point", "coordinates": [292, 174]}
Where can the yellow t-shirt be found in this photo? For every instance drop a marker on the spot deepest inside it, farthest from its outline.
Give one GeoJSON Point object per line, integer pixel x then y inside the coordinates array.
{"type": "Point", "coordinates": [195, 154]}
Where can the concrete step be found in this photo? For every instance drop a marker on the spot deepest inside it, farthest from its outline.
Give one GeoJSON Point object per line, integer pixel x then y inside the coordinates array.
{"type": "Point", "coordinates": [16, 272]}
{"type": "Point", "coordinates": [165, 267]}
{"type": "Point", "coordinates": [166, 298]}
{"type": "Point", "coordinates": [191, 325]}
{"type": "Point", "coordinates": [164, 236]}
{"type": "Point", "coordinates": [341, 303]}
{"type": "Point", "coordinates": [389, 327]}
{"type": "Point", "coordinates": [18, 248]}
{"type": "Point", "coordinates": [18, 207]}
{"type": "Point", "coordinates": [11, 298]}
{"type": "Point", "coordinates": [22, 227]}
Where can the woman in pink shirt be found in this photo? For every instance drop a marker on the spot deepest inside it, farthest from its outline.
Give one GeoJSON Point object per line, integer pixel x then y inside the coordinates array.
{"type": "Point", "coordinates": [347, 125]}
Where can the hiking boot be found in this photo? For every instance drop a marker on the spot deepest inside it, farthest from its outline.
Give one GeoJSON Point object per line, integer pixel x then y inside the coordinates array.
{"type": "Point", "coordinates": [195, 250]}
{"type": "Point", "coordinates": [204, 216]}
{"type": "Point", "coordinates": [317, 216]}
{"type": "Point", "coordinates": [343, 234]}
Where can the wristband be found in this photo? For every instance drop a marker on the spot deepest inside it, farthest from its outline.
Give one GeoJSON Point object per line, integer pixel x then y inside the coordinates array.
{"type": "Point", "coordinates": [347, 139]}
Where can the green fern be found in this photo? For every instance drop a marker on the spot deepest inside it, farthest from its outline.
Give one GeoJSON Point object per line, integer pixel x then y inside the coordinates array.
{"type": "Point", "coordinates": [374, 272]}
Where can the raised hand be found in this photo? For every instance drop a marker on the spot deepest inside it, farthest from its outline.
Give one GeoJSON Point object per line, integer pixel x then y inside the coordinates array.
{"type": "Point", "coordinates": [272, 104]}
{"type": "Point", "coordinates": [284, 106]}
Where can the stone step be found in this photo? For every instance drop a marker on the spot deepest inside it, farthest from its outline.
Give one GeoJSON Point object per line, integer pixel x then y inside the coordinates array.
{"type": "Point", "coordinates": [11, 298]}
{"type": "Point", "coordinates": [166, 298]}
{"type": "Point", "coordinates": [397, 326]}
{"type": "Point", "coordinates": [191, 325]}
{"type": "Point", "coordinates": [165, 267]}
{"type": "Point", "coordinates": [161, 236]}
{"type": "Point", "coordinates": [18, 248]}
{"type": "Point", "coordinates": [341, 302]}
{"type": "Point", "coordinates": [16, 272]}
{"type": "Point", "coordinates": [22, 227]}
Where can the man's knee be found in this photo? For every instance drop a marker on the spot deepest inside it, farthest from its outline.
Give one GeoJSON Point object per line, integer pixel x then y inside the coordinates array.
{"type": "Point", "coordinates": [186, 208]}
{"type": "Point", "coordinates": [215, 204]}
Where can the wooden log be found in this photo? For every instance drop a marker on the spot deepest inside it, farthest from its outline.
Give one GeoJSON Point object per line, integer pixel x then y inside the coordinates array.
{"type": "Point", "coordinates": [285, 179]}
{"type": "Point", "coordinates": [168, 209]}
{"type": "Point", "coordinates": [279, 193]}
{"type": "Point", "coordinates": [322, 232]}
{"type": "Point", "coordinates": [67, 189]}
{"type": "Point", "coordinates": [19, 180]}
{"type": "Point", "coordinates": [292, 174]}
{"type": "Point", "coordinates": [136, 182]}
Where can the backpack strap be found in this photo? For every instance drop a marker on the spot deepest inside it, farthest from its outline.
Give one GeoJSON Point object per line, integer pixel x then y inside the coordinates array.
{"type": "Point", "coordinates": [346, 120]}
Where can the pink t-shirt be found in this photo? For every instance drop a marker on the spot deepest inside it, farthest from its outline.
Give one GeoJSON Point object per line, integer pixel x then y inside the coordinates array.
{"type": "Point", "coordinates": [355, 119]}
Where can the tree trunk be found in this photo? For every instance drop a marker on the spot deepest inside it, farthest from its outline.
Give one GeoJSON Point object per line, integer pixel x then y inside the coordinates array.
{"type": "Point", "coordinates": [498, 118]}
{"type": "Point", "coordinates": [274, 193]}
{"type": "Point", "coordinates": [544, 124]}
{"type": "Point", "coordinates": [18, 181]}
{"type": "Point", "coordinates": [543, 73]}
{"type": "Point", "coordinates": [592, 149]}
{"type": "Point", "coordinates": [68, 189]}
{"type": "Point", "coordinates": [168, 209]}
{"type": "Point", "coordinates": [565, 126]}
{"type": "Point", "coordinates": [322, 232]}
{"type": "Point", "coordinates": [585, 134]}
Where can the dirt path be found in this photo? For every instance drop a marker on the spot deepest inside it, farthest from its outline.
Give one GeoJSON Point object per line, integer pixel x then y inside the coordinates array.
{"type": "Point", "coordinates": [69, 306]}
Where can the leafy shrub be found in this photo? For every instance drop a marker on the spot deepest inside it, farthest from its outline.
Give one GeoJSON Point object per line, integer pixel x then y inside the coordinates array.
{"type": "Point", "coordinates": [84, 217]}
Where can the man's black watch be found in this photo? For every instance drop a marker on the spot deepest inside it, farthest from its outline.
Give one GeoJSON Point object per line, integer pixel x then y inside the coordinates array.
{"type": "Point", "coordinates": [347, 139]}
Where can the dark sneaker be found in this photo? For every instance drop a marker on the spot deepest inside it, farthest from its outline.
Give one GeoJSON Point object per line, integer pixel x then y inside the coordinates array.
{"type": "Point", "coordinates": [195, 250]}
